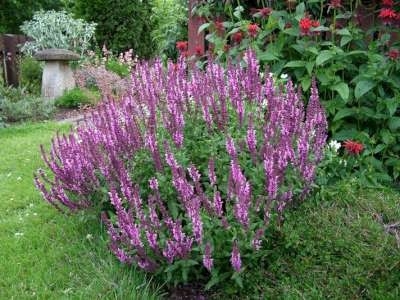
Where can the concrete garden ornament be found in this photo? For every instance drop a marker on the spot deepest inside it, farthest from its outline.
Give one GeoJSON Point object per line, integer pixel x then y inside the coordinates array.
{"type": "Point", "coordinates": [57, 74]}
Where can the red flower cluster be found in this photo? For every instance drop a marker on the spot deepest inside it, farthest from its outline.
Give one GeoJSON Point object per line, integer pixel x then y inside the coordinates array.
{"type": "Point", "coordinates": [394, 54]}
{"type": "Point", "coordinates": [388, 16]}
{"type": "Point", "coordinates": [199, 51]}
{"type": "Point", "coordinates": [261, 12]}
{"type": "Point", "coordinates": [335, 4]}
{"type": "Point", "coordinates": [353, 147]}
{"type": "Point", "coordinates": [387, 3]}
{"type": "Point", "coordinates": [306, 24]}
{"type": "Point", "coordinates": [237, 37]}
{"type": "Point", "coordinates": [253, 29]}
{"type": "Point", "coordinates": [219, 27]}
{"type": "Point", "coordinates": [182, 46]}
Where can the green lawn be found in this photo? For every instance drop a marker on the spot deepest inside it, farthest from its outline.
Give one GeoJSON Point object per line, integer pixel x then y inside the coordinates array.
{"type": "Point", "coordinates": [329, 247]}
{"type": "Point", "coordinates": [44, 254]}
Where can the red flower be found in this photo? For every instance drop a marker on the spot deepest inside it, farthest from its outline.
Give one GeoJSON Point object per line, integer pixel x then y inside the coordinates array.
{"type": "Point", "coordinates": [261, 12]}
{"type": "Point", "coordinates": [237, 37]}
{"type": "Point", "coordinates": [353, 147]}
{"type": "Point", "coordinates": [305, 25]}
{"type": "Point", "coordinates": [182, 46]}
{"type": "Point", "coordinates": [226, 48]}
{"type": "Point", "coordinates": [387, 15]}
{"type": "Point", "coordinates": [335, 4]}
{"type": "Point", "coordinates": [387, 3]}
{"type": "Point", "coordinates": [253, 29]}
{"type": "Point", "coordinates": [394, 54]}
{"type": "Point", "coordinates": [219, 27]}
{"type": "Point", "coordinates": [199, 51]}
{"type": "Point", "coordinates": [315, 23]}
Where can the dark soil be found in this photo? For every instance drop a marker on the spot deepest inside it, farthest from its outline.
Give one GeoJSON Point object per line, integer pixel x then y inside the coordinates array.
{"type": "Point", "coordinates": [188, 292]}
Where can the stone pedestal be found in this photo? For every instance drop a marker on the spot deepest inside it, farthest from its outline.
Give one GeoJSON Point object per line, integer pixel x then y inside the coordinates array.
{"type": "Point", "coordinates": [57, 75]}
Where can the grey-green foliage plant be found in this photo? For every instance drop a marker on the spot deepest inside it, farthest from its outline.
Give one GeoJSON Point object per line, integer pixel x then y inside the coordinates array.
{"type": "Point", "coordinates": [57, 29]}
{"type": "Point", "coordinates": [170, 25]}
{"type": "Point", "coordinates": [17, 105]}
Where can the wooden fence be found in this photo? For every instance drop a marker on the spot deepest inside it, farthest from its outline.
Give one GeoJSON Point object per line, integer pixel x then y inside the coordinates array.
{"type": "Point", "coordinates": [9, 53]}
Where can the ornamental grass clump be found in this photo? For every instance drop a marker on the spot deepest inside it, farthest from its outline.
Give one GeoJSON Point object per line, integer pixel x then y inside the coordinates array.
{"type": "Point", "coordinates": [191, 168]}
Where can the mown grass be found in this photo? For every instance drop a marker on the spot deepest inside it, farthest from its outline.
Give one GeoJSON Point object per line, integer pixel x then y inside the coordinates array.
{"type": "Point", "coordinates": [45, 254]}
{"type": "Point", "coordinates": [332, 246]}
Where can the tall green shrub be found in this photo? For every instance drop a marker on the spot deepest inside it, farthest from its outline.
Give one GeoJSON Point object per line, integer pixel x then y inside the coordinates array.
{"type": "Point", "coordinates": [170, 25]}
{"type": "Point", "coordinates": [121, 25]}
{"type": "Point", "coordinates": [14, 13]}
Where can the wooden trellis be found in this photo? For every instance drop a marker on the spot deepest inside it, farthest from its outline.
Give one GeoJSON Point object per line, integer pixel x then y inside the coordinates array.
{"type": "Point", "coordinates": [195, 39]}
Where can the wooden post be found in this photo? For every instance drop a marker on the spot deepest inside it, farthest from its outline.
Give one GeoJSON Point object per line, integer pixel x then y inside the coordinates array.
{"type": "Point", "coordinates": [9, 49]}
{"type": "Point", "coordinates": [195, 39]}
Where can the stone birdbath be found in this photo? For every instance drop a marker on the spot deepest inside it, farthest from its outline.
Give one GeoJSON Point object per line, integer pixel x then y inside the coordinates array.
{"type": "Point", "coordinates": [57, 74]}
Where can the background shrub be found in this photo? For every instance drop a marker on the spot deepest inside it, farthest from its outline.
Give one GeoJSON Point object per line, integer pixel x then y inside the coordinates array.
{"type": "Point", "coordinates": [170, 25]}
{"type": "Point", "coordinates": [357, 69]}
{"type": "Point", "coordinates": [14, 13]}
{"type": "Point", "coordinates": [17, 105]}
{"type": "Point", "coordinates": [117, 67]}
{"type": "Point", "coordinates": [31, 74]}
{"type": "Point", "coordinates": [77, 97]}
{"type": "Point", "coordinates": [121, 25]}
{"type": "Point", "coordinates": [57, 29]}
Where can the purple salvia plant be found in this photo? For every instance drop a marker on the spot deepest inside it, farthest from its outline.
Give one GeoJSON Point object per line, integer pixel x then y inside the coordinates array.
{"type": "Point", "coordinates": [252, 117]}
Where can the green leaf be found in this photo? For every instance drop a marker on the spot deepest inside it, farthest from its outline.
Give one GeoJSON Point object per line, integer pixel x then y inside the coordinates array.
{"type": "Point", "coordinates": [363, 87]}
{"type": "Point", "coordinates": [267, 56]}
{"type": "Point", "coordinates": [379, 148]}
{"type": "Point", "coordinates": [345, 40]}
{"type": "Point", "coordinates": [203, 27]}
{"type": "Point", "coordinates": [343, 31]}
{"type": "Point", "coordinates": [394, 123]}
{"type": "Point", "coordinates": [300, 9]}
{"type": "Point", "coordinates": [295, 64]}
{"type": "Point", "coordinates": [391, 105]}
{"type": "Point", "coordinates": [343, 90]}
{"type": "Point", "coordinates": [387, 137]}
{"type": "Point", "coordinates": [313, 50]}
{"type": "Point", "coordinates": [292, 31]}
{"type": "Point", "coordinates": [310, 67]}
{"type": "Point", "coordinates": [306, 83]}
{"type": "Point", "coordinates": [324, 56]}
{"type": "Point", "coordinates": [343, 113]}
{"type": "Point", "coordinates": [345, 134]}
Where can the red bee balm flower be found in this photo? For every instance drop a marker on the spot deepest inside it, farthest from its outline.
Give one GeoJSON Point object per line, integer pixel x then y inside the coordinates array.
{"type": "Point", "coordinates": [387, 15]}
{"type": "Point", "coordinates": [261, 12]}
{"type": "Point", "coordinates": [182, 46]}
{"type": "Point", "coordinates": [394, 54]}
{"type": "Point", "coordinates": [305, 26]}
{"type": "Point", "coordinates": [315, 23]}
{"type": "Point", "coordinates": [253, 29]}
{"type": "Point", "coordinates": [335, 4]}
{"type": "Point", "coordinates": [219, 27]}
{"type": "Point", "coordinates": [353, 147]}
{"type": "Point", "coordinates": [199, 51]}
{"type": "Point", "coordinates": [237, 37]}
{"type": "Point", "coordinates": [387, 3]}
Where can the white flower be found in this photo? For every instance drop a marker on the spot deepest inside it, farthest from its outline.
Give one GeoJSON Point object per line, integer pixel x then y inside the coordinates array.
{"type": "Point", "coordinates": [18, 234]}
{"type": "Point", "coordinates": [89, 237]}
{"type": "Point", "coordinates": [284, 76]}
{"type": "Point", "coordinates": [334, 145]}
